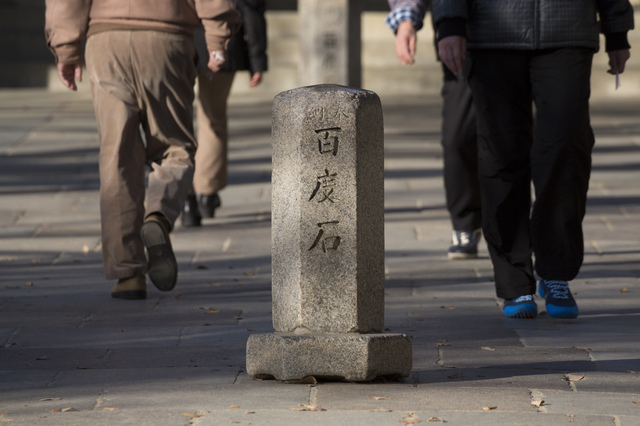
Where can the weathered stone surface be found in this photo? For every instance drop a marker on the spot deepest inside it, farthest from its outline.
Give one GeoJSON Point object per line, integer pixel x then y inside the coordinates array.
{"type": "Point", "coordinates": [350, 356]}
{"type": "Point", "coordinates": [330, 46]}
{"type": "Point", "coordinates": [328, 211]}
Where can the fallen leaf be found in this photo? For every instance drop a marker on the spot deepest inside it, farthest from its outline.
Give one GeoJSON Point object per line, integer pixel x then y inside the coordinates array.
{"type": "Point", "coordinates": [489, 408]}
{"type": "Point", "coordinates": [50, 399]}
{"type": "Point", "coordinates": [575, 377]}
{"type": "Point", "coordinates": [487, 348]}
{"type": "Point", "coordinates": [537, 403]}
{"type": "Point", "coordinates": [234, 406]}
{"type": "Point", "coordinates": [297, 409]}
{"type": "Point", "coordinates": [624, 290]}
{"type": "Point", "coordinates": [411, 420]}
{"type": "Point", "coordinates": [29, 284]}
{"type": "Point", "coordinates": [42, 358]}
{"type": "Point", "coordinates": [202, 267]}
{"type": "Point", "coordinates": [307, 380]}
{"type": "Point", "coordinates": [632, 372]}
{"type": "Point", "coordinates": [380, 410]}
{"type": "Point", "coordinates": [435, 419]}
{"type": "Point", "coordinates": [238, 318]}
{"type": "Point", "coordinates": [580, 347]}
{"type": "Point", "coordinates": [455, 376]}
{"type": "Point", "coordinates": [443, 344]}
{"type": "Point", "coordinates": [448, 307]}
{"type": "Point", "coordinates": [248, 274]}
{"type": "Point", "coordinates": [109, 409]}
{"type": "Point", "coordinates": [55, 410]}
{"type": "Point", "coordinates": [192, 415]}
{"type": "Point", "coordinates": [378, 398]}
{"type": "Point", "coordinates": [249, 412]}
{"type": "Point", "coordinates": [251, 329]}
{"type": "Point", "coordinates": [64, 410]}
{"type": "Point", "coordinates": [311, 407]}
{"type": "Point", "coordinates": [80, 367]}
{"type": "Point", "coordinates": [636, 402]}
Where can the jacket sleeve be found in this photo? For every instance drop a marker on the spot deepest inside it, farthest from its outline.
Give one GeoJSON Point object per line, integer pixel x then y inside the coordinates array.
{"type": "Point", "coordinates": [255, 30]}
{"type": "Point", "coordinates": [406, 10]}
{"type": "Point", "coordinates": [450, 17]}
{"type": "Point", "coordinates": [616, 16]}
{"type": "Point", "coordinates": [220, 20]}
{"type": "Point", "coordinates": [66, 24]}
{"type": "Point", "coordinates": [616, 19]}
{"type": "Point", "coordinates": [419, 6]}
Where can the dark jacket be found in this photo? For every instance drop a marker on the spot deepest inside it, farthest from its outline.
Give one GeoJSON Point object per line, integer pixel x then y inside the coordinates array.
{"type": "Point", "coordinates": [247, 49]}
{"type": "Point", "coordinates": [534, 24]}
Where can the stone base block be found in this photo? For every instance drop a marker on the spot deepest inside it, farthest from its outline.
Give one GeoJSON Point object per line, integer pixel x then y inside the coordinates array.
{"type": "Point", "coordinates": [349, 356]}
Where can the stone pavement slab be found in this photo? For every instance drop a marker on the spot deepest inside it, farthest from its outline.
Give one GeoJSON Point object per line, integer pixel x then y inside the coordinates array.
{"type": "Point", "coordinates": [70, 354]}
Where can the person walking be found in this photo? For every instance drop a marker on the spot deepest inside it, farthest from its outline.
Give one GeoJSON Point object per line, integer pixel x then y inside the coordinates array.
{"type": "Point", "coordinates": [247, 51]}
{"type": "Point", "coordinates": [141, 62]}
{"type": "Point", "coordinates": [459, 136]}
{"type": "Point", "coordinates": [521, 53]}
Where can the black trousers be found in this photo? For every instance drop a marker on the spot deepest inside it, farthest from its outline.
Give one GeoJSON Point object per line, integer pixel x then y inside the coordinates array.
{"type": "Point", "coordinates": [460, 152]}
{"type": "Point", "coordinates": [553, 150]}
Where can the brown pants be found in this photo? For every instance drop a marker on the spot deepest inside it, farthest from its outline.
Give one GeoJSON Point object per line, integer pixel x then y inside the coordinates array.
{"type": "Point", "coordinates": [211, 157]}
{"type": "Point", "coordinates": [140, 79]}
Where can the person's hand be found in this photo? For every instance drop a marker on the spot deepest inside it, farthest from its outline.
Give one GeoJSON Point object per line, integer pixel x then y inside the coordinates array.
{"type": "Point", "coordinates": [256, 79]}
{"type": "Point", "coordinates": [216, 59]}
{"type": "Point", "coordinates": [406, 42]}
{"type": "Point", "coordinates": [452, 51]}
{"type": "Point", "coordinates": [617, 60]}
{"type": "Point", "coordinates": [69, 74]}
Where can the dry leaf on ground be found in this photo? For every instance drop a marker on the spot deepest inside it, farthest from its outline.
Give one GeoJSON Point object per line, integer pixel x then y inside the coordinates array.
{"type": "Point", "coordinates": [435, 419]}
{"type": "Point", "coordinates": [575, 377]}
{"type": "Point", "coordinates": [192, 415]}
{"type": "Point", "coordinates": [537, 403]}
{"type": "Point", "coordinates": [489, 408]}
{"type": "Point", "coordinates": [378, 398]}
{"type": "Point", "coordinates": [487, 348]}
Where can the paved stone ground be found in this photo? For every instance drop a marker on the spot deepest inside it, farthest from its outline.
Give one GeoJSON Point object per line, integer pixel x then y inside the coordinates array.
{"type": "Point", "coordinates": [72, 355]}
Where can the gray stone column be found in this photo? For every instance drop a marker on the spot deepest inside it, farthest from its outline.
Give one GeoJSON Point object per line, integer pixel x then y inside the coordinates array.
{"type": "Point", "coordinates": [330, 42]}
{"type": "Point", "coordinates": [328, 241]}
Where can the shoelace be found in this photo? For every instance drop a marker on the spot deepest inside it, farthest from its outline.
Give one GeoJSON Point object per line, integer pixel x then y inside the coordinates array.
{"type": "Point", "coordinates": [558, 289]}
{"type": "Point", "coordinates": [525, 298]}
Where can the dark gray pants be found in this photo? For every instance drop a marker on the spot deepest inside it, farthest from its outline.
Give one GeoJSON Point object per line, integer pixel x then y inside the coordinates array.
{"type": "Point", "coordinates": [460, 151]}
{"type": "Point", "coordinates": [553, 151]}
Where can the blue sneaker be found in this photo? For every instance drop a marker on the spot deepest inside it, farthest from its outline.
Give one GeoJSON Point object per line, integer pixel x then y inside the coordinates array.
{"type": "Point", "coordinates": [520, 307]}
{"type": "Point", "coordinates": [558, 299]}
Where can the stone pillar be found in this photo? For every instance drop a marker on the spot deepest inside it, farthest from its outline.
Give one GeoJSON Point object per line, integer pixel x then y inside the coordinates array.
{"type": "Point", "coordinates": [328, 241]}
{"type": "Point", "coordinates": [330, 44]}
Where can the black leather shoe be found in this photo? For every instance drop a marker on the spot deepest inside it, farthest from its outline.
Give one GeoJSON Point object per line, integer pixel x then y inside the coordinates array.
{"type": "Point", "coordinates": [208, 204]}
{"type": "Point", "coordinates": [190, 213]}
{"type": "Point", "coordinates": [162, 266]}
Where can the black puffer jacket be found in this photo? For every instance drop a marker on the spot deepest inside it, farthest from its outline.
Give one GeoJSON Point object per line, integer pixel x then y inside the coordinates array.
{"type": "Point", "coordinates": [247, 49]}
{"type": "Point", "coordinates": [534, 24]}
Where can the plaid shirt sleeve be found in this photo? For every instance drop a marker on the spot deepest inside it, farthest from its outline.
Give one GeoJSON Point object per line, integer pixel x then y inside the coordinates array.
{"type": "Point", "coordinates": [396, 16]}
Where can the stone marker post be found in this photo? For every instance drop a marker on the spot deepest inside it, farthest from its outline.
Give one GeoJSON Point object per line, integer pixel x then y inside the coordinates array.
{"type": "Point", "coordinates": [328, 242]}
{"type": "Point", "coordinates": [330, 42]}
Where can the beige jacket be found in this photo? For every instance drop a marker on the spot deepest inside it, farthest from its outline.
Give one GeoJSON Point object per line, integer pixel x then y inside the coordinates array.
{"type": "Point", "coordinates": [67, 22]}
